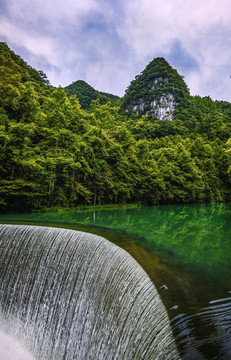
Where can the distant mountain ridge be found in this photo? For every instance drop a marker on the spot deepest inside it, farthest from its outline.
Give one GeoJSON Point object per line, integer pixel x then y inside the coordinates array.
{"type": "Point", "coordinates": [158, 91]}
{"type": "Point", "coordinates": [86, 93]}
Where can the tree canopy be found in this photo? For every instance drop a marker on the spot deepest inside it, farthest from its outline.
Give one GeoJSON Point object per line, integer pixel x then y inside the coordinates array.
{"type": "Point", "coordinates": [87, 93]}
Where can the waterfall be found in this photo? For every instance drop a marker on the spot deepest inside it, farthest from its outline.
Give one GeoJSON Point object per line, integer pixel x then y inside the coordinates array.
{"type": "Point", "coordinates": [67, 294]}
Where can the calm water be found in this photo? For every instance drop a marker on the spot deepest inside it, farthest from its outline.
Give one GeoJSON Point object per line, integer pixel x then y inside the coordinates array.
{"type": "Point", "coordinates": [186, 250]}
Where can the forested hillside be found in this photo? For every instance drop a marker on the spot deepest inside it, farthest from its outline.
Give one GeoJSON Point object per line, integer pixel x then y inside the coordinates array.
{"type": "Point", "coordinates": [55, 153]}
{"type": "Point", "coordinates": [86, 93]}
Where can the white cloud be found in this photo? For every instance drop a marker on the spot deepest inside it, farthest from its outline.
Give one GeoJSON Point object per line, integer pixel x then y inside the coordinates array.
{"type": "Point", "coordinates": [151, 24]}
{"type": "Point", "coordinates": [54, 11]}
{"type": "Point", "coordinates": [38, 45]}
{"type": "Point", "coordinates": [202, 27]}
{"type": "Point", "coordinates": [108, 42]}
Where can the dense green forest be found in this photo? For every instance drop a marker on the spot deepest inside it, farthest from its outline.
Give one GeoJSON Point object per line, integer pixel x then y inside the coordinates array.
{"type": "Point", "coordinates": [87, 93]}
{"type": "Point", "coordinates": [53, 152]}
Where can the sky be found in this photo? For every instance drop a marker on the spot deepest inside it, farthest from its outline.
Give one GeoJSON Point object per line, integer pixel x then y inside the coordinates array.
{"type": "Point", "coordinates": [108, 42]}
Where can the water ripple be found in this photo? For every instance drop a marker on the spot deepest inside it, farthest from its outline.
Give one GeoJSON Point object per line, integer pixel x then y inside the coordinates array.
{"type": "Point", "coordinates": [206, 334]}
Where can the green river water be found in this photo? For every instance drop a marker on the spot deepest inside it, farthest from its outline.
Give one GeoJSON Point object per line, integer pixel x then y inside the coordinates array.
{"type": "Point", "coordinates": [186, 251]}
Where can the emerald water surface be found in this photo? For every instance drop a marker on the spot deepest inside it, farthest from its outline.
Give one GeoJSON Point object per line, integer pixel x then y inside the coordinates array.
{"type": "Point", "coordinates": [186, 250]}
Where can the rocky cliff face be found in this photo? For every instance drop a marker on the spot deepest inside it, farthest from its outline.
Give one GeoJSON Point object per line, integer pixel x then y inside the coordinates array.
{"type": "Point", "coordinates": [158, 91]}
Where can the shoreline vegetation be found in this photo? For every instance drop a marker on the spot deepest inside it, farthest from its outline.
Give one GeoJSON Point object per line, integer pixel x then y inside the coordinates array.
{"type": "Point", "coordinates": [55, 154]}
{"type": "Point", "coordinates": [123, 206]}
{"type": "Point", "coordinates": [57, 209]}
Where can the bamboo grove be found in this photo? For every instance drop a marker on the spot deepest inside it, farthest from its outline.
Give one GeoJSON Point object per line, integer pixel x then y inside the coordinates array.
{"type": "Point", "coordinates": [54, 153]}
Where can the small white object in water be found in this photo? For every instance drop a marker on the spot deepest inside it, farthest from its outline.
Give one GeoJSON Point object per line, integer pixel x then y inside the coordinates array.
{"type": "Point", "coordinates": [164, 287]}
{"type": "Point", "coordinates": [175, 307]}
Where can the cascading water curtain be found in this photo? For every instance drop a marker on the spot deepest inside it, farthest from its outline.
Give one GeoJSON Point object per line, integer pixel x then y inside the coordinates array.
{"type": "Point", "coordinates": [72, 295]}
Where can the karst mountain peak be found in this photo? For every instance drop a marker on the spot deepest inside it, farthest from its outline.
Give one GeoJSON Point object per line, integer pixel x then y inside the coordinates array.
{"type": "Point", "coordinates": [158, 91]}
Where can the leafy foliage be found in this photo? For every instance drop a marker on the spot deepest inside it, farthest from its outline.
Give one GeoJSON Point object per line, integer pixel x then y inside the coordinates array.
{"type": "Point", "coordinates": [55, 153]}
{"type": "Point", "coordinates": [28, 73]}
{"type": "Point", "coordinates": [86, 93]}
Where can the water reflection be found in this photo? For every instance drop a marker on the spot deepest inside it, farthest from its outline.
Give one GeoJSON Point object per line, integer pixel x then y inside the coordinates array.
{"type": "Point", "coordinates": [197, 235]}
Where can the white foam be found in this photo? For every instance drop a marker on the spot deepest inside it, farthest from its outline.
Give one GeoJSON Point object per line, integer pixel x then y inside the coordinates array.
{"type": "Point", "coordinates": [11, 349]}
